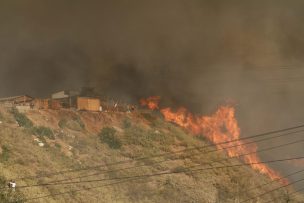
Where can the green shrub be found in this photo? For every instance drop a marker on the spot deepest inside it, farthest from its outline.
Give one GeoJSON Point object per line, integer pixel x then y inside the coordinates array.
{"type": "Point", "coordinates": [73, 124]}
{"type": "Point", "coordinates": [201, 138]}
{"type": "Point", "coordinates": [79, 121]}
{"type": "Point", "coordinates": [21, 119]}
{"type": "Point", "coordinates": [161, 138]}
{"type": "Point", "coordinates": [150, 139]}
{"type": "Point", "coordinates": [127, 123]}
{"type": "Point", "coordinates": [138, 136]}
{"type": "Point", "coordinates": [57, 145]}
{"type": "Point", "coordinates": [149, 117]}
{"type": "Point", "coordinates": [62, 123]}
{"type": "Point", "coordinates": [43, 131]}
{"type": "Point", "coordinates": [107, 136]}
{"type": "Point", "coordinates": [5, 153]}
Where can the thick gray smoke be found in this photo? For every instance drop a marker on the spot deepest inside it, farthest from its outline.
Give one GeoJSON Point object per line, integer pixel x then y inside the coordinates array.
{"type": "Point", "coordinates": [192, 53]}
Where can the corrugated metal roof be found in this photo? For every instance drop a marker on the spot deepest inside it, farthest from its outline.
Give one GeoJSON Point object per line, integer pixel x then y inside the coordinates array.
{"type": "Point", "coordinates": [14, 97]}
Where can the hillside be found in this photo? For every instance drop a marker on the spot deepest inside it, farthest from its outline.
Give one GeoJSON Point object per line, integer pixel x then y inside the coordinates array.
{"type": "Point", "coordinates": [42, 142]}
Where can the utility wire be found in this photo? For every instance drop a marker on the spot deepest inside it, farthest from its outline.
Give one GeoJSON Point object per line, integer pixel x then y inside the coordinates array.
{"type": "Point", "coordinates": [128, 178]}
{"type": "Point", "coordinates": [159, 155]}
{"type": "Point", "coordinates": [185, 156]}
{"type": "Point", "coordinates": [290, 194]}
{"type": "Point", "coordinates": [276, 180]}
{"type": "Point", "coordinates": [184, 169]}
{"type": "Point", "coordinates": [79, 190]}
{"type": "Point", "coordinates": [270, 191]}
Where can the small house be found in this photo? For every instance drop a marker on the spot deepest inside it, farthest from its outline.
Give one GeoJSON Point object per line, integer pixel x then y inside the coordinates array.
{"type": "Point", "coordinates": [22, 100]}
{"type": "Point", "coordinates": [88, 104]}
{"type": "Point", "coordinates": [41, 103]}
{"type": "Point", "coordinates": [65, 99]}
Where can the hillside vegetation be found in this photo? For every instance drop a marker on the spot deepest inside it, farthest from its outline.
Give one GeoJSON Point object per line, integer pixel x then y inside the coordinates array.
{"type": "Point", "coordinates": [46, 141]}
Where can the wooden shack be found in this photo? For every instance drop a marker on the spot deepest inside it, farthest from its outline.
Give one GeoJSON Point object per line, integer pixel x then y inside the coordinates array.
{"type": "Point", "coordinates": [23, 100]}
{"type": "Point", "coordinates": [88, 104]}
{"type": "Point", "coordinates": [41, 103]}
{"type": "Point", "coordinates": [66, 98]}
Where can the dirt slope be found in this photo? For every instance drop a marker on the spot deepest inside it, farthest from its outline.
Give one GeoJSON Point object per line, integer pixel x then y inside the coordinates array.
{"type": "Point", "coordinates": [76, 140]}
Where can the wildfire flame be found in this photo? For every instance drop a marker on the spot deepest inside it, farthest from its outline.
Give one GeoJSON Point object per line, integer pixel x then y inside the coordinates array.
{"type": "Point", "coordinates": [221, 127]}
{"type": "Point", "coordinates": [151, 102]}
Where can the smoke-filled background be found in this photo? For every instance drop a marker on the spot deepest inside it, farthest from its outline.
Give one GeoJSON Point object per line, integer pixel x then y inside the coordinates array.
{"type": "Point", "coordinates": [193, 53]}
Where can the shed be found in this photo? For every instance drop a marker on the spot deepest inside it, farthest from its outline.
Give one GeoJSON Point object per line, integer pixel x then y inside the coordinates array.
{"type": "Point", "coordinates": [21, 100]}
{"type": "Point", "coordinates": [41, 103]}
{"type": "Point", "coordinates": [88, 104]}
{"type": "Point", "coordinates": [66, 98]}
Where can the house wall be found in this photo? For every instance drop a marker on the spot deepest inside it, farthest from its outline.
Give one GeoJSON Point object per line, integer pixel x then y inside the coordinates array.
{"type": "Point", "coordinates": [55, 104]}
{"type": "Point", "coordinates": [23, 109]}
{"type": "Point", "coordinates": [7, 104]}
{"type": "Point", "coordinates": [88, 104]}
{"type": "Point", "coordinates": [23, 99]}
{"type": "Point", "coordinates": [41, 103]}
{"type": "Point", "coordinates": [16, 99]}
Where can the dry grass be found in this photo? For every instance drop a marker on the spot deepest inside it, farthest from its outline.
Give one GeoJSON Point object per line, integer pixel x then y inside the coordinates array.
{"type": "Point", "coordinates": [76, 149]}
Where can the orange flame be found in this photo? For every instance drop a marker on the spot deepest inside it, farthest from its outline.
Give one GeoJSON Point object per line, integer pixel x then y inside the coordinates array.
{"type": "Point", "coordinates": [151, 102]}
{"type": "Point", "coordinates": [220, 127]}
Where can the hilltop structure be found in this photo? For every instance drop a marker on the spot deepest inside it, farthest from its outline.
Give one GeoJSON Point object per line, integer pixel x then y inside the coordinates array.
{"type": "Point", "coordinates": [85, 99]}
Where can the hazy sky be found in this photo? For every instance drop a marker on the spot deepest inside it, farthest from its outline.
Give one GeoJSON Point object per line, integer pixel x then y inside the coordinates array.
{"type": "Point", "coordinates": [193, 53]}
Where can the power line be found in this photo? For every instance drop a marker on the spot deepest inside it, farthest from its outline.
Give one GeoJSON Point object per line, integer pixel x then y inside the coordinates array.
{"type": "Point", "coordinates": [159, 155]}
{"type": "Point", "coordinates": [184, 169]}
{"type": "Point", "coordinates": [290, 194]}
{"type": "Point", "coordinates": [167, 173]}
{"type": "Point", "coordinates": [270, 191]}
{"type": "Point", "coordinates": [190, 155]}
{"type": "Point", "coordinates": [276, 180]}
{"type": "Point", "coordinates": [121, 162]}
{"type": "Point", "coordinates": [79, 190]}
{"type": "Point", "coordinates": [245, 143]}
{"type": "Point", "coordinates": [266, 149]}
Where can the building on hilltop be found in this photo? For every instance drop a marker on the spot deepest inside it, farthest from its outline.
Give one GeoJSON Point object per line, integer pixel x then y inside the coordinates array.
{"type": "Point", "coordinates": [85, 99]}
{"type": "Point", "coordinates": [64, 99]}
{"type": "Point", "coordinates": [21, 100]}
{"type": "Point", "coordinates": [88, 104]}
